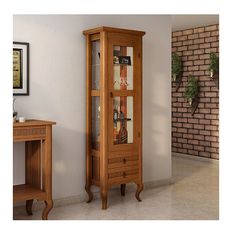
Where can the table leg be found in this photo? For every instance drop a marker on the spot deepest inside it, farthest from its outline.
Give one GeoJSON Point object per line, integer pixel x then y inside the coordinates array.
{"type": "Point", "coordinates": [29, 204]}
{"type": "Point", "coordinates": [47, 209]}
{"type": "Point", "coordinates": [139, 189]}
{"type": "Point", "coordinates": [104, 199]}
{"type": "Point", "coordinates": [47, 171]}
{"type": "Point", "coordinates": [122, 189]}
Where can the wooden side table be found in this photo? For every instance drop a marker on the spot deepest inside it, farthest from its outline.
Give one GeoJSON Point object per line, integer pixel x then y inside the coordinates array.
{"type": "Point", "coordinates": [37, 136]}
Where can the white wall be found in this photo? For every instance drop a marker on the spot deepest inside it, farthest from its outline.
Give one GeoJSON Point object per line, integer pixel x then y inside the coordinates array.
{"type": "Point", "coordinates": [57, 92]}
{"type": "Point", "coordinates": [187, 21]}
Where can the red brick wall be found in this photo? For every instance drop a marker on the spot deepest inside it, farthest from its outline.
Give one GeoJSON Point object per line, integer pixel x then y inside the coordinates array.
{"type": "Point", "coordinates": [198, 134]}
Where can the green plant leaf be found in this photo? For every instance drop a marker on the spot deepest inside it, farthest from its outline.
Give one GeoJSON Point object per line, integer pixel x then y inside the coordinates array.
{"type": "Point", "coordinates": [192, 88]}
{"type": "Point", "coordinates": [176, 67]}
{"type": "Point", "coordinates": [214, 63]}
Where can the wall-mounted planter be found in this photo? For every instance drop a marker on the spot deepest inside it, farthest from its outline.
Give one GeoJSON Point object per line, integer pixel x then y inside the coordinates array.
{"type": "Point", "coordinates": [214, 68]}
{"type": "Point", "coordinates": [191, 93]}
{"type": "Point", "coordinates": [176, 70]}
{"type": "Point", "coordinates": [194, 104]}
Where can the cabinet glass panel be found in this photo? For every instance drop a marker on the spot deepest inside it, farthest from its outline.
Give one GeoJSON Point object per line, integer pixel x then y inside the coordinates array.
{"type": "Point", "coordinates": [95, 122]}
{"type": "Point", "coordinates": [123, 120]}
{"type": "Point", "coordinates": [95, 64]}
{"type": "Point", "coordinates": [123, 68]}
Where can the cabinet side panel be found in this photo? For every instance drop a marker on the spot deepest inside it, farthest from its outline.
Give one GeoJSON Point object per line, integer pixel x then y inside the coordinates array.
{"type": "Point", "coordinates": [88, 110]}
{"type": "Point", "coordinates": [140, 107]}
{"type": "Point", "coordinates": [104, 113]}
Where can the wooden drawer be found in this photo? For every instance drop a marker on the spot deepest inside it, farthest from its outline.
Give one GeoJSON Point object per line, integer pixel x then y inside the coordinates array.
{"type": "Point", "coordinates": [122, 162]}
{"type": "Point", "coordinates": [29, 133]}
{"type": "Point", "coordinates": [122, 176]}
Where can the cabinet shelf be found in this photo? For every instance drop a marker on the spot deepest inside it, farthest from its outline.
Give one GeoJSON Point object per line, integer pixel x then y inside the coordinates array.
{"type": "Point", "coordinates": [122, 120]}
{"type": "Point", "coordinates": [122, 65]}
{"type": "Point", "coordinates": [95, 93]}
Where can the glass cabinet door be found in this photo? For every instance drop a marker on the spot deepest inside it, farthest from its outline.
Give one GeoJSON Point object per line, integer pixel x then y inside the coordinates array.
{"type": "Point", "coordinates": [95, 64]}
{"type": "Point", "coordinates": [123, 99]}
{"type": "Point", "coordinates": [95, 134]}
{"type": "Point", "coordinates": [95, 123]}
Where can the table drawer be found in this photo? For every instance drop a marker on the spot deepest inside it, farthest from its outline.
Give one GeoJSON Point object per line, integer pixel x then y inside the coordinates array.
{"type": "Point", "coordinates": [29, 133]}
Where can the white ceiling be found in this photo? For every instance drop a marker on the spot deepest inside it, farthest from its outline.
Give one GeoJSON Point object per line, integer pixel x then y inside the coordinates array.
{"type": "Point", "coordinates": [181, 22]}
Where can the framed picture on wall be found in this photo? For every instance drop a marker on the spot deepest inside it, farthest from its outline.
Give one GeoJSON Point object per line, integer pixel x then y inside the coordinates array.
{"type": "Point", "coordinates": [20, 68]}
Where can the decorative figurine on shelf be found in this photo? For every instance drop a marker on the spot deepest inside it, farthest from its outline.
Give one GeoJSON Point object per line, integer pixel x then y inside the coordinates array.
{"type": "Point", "coordinates": [115, 60]}
{"type": "Point", "coordinates": [125, 60]}
{"type": "Point", "coordinates": [14, 112]}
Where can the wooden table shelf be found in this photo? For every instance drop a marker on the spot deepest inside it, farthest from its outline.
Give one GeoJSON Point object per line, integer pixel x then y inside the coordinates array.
{"type": "Point", "coordinates": [37, 135]}
{"type": "Point", "coordinates": [27, 192]}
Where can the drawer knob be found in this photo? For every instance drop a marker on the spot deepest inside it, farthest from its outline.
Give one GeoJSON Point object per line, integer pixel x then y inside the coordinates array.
{"type": "Point", "coordinates": [124, 174]}
{"type": "Point", "coordinates": [124, 160]}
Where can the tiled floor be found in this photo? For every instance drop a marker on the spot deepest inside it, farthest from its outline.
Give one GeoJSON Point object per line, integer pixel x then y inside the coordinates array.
{"type": "Point", "coordinates": [193, 196]}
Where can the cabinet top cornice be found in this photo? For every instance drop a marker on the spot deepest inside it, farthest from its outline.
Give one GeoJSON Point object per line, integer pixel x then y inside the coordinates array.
{"type": "Point", "coordinates": [112, 29]}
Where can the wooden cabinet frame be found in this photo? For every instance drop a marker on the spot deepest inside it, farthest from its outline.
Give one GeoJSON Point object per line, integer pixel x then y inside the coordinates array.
{"type": "Point", "coordinates": [113, 164]}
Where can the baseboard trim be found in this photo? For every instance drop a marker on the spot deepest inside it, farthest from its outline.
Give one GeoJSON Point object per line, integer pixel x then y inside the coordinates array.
{"type": "Point", "coordinates": [39, 205]}
{"type": "Point", "coordinates": [195, 158]}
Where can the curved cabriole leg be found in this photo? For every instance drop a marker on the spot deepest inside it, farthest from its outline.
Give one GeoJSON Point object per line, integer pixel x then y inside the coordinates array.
{"type": "Point", "coordinates": [122, 189]}
{"type": "Point", "coordinates": [49, 205]}
{"type": "Point", "coordinates": [139, 189]}
{"type": "Point", "coordinates": [104, 199]}
{"type": "Point", "coordinates": [29, 204]}
{"type": "Point", "coordinates": [90, 194]}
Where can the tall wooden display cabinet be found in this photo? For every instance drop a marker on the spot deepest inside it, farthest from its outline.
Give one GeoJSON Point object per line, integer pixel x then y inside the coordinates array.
{"type": "Point", "coordinates": [113, 110]}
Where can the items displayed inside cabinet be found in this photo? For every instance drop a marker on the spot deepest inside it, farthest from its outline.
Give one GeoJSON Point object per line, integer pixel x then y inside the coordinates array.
{"type": "Point", "coordinates": [123, 68]}
{"type": "Point", "coordinates": [123, 119]}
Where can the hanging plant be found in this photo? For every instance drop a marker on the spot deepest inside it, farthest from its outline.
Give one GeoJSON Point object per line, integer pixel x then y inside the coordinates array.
{"type": "Point", "coordinates": [176, 69]}
{"type": "Point", "coordinates": [191, 93]}
{"type": "Point", "coordinates": [214, 68]}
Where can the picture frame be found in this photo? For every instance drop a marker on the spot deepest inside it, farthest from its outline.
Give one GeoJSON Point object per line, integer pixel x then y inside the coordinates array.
{"type": "Point", "coordinates": [124, 60]}
{"type": "Point", "coordinates": [20, 68]}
